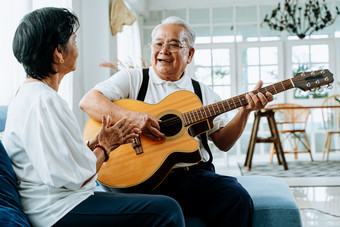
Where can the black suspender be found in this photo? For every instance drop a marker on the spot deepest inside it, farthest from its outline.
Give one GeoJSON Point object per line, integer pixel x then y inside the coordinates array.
{"type": "Point", "coordinates": [198, 92]}
{"type": "Point", "coordinates": [144, 86]}
{"type": "Point", "coordinates": [204, 139]}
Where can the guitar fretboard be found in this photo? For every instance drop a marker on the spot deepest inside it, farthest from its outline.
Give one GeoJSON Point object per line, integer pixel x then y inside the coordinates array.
{"type": "Point", "coordinates": [218, 108]}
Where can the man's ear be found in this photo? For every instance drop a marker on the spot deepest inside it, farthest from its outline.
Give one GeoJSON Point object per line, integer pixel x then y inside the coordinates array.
{"type": "Point", "coordinates": [191, 54]}
{"type": "Point", "coordinates": [58, 54]}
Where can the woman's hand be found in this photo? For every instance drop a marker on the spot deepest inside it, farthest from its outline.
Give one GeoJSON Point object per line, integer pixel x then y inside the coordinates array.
{"type": "Point", "coordinates": [112, 136]}
{"type": "Point", "coordinates": [259, 101]}
{"type": "Point", "coordinates": [147, 124]}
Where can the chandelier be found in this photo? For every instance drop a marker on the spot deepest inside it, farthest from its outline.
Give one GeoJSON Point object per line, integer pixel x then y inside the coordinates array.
{"type": "Point", "coordinates": [300, 19]}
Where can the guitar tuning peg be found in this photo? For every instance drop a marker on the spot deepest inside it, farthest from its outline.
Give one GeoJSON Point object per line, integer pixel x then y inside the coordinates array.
{"type": "Point", "coordinates": [329, 86]}
{"type": "Point", "coordinates": [320, 89]}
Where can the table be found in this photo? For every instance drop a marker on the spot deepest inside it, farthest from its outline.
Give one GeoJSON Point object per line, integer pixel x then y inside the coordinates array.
{"type": "Point", "coordinates": [275, 137]}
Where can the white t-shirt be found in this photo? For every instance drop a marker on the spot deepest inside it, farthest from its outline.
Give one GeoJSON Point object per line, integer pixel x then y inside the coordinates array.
{"type": "Point", "coordinates": [126, 84]}
{"type": "Point", "coordinates": [49, 157]}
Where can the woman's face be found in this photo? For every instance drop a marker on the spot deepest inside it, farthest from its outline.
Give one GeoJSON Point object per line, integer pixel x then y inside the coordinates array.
{"type": "Point", "coordinates": [70, 55]}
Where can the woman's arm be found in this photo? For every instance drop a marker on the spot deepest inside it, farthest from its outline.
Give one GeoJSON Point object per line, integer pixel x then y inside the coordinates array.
{"type": "Point", "coordinates": [110, 137]}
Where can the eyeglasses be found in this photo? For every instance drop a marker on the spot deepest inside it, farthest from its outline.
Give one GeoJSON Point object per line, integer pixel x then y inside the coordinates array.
{"type": "Point", "coordinates": [172, 47]}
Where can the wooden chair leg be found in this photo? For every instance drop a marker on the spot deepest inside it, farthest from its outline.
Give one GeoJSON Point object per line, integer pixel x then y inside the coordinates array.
{"type": "Point", "coordinates": [295, 146]}
{"type": "Point", "coordinates": [329, 145]}
{"type": "Point", "coordinates": [272, 152]}
{"type": "Point", "coordinates": [308, 146]}
{"type": "Point", "coordinates": [325, 147]}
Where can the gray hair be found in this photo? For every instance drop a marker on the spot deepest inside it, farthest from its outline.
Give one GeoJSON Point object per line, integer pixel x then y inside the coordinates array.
{"type": "Point", "coordinates": [190, 34]}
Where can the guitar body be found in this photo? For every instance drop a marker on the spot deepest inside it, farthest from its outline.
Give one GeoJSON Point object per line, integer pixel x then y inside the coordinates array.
{"type": "Point", "coordinates": [131, 172]}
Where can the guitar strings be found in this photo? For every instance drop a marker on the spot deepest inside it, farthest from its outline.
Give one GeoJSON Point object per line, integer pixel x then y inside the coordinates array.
{"type": "Point", "coordinates": [194, 114]}
{"type": "Point", "coordinates": [216, 107]}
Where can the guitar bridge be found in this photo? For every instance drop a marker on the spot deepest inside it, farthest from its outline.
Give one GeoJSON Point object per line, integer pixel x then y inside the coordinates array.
{"type": "Point", "coordinates": [137, 146]}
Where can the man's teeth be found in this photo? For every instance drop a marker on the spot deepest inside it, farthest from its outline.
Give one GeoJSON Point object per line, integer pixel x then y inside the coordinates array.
{"type": "Point", "coordinates": [168, 61]}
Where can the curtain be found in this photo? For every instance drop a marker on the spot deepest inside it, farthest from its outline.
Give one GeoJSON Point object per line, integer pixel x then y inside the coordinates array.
{"type": "Point", "coordinates": [129, 50]}
{"type": "Point", "coordinates": [129, 47]}
{"type": "Point", "coordinates": [12, 73]}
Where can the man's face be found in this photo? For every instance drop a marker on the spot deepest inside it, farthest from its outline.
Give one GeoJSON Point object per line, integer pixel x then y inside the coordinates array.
{"type": "Point", "coordinates": [170, 65]}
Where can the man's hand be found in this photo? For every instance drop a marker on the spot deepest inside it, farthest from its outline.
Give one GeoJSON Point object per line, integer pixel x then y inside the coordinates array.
{"type": "Point", "coordinates": [147, 124]}
{"type": "Point", "coordinates": [259, 101]}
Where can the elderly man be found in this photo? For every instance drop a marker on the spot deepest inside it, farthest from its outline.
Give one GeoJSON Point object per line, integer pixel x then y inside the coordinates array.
{"type": "Point", "coordinates": [216, 199]}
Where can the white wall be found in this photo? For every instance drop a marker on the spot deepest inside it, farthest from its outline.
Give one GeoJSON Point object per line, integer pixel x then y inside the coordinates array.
{"type": "Point", "coordinates": [96, 44]}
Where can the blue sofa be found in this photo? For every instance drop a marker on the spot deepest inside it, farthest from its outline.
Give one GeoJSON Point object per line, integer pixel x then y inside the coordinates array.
{"type": "Point", "coordinates": [3, 115]}
{"type": "Point", "coordinates": [11, 214]}
{"type": "Point", "coordinates": [274, 203]}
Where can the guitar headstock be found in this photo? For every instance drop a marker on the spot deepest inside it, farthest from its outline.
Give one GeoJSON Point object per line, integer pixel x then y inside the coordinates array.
{"type": "Point", "coordinates": [312, 79]}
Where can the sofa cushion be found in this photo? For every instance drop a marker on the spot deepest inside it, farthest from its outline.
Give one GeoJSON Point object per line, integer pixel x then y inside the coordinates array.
{"type": "Point", "coordinates": [11, 213]}
{"type": "Point", "coordinates": [274, 203]}
{"type": "Point", "coordinates": [3, 115]}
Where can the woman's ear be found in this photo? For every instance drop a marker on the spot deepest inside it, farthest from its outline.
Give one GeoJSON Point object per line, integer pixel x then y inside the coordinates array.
{"type": "Point", "coordinates": [58, 54]}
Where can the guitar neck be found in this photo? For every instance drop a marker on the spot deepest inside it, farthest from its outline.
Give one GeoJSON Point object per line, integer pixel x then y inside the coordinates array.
{"type": "Point", "coordinates": [218, 108]}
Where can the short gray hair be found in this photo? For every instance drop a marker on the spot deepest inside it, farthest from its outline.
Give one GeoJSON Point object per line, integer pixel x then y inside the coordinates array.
{"type": "Point", "coordinates": [190, 34]}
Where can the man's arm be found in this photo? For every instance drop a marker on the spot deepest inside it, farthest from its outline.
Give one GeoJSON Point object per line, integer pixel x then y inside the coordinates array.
{"type": "Point", "coordinates": [95, 104]}
{"type": "Point", "coordinates": [227, 136]}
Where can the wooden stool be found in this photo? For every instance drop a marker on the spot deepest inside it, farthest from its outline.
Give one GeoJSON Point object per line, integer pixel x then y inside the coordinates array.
{"type": "Point", "coordinates": [275, 138]}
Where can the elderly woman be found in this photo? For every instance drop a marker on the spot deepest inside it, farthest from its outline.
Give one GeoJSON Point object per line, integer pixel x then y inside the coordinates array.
{"type": "Point", "coordinates": [55, 169]}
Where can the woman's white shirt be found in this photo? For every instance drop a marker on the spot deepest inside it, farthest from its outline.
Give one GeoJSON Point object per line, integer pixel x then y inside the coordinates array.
{"type": "Point", "coordinates": [49, 157]}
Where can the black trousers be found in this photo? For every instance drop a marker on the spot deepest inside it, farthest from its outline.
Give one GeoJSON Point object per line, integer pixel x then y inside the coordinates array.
{"type": "Point", "coordinates": [118, 209]}
{"type": "Point", "coordinates": [218, 200]}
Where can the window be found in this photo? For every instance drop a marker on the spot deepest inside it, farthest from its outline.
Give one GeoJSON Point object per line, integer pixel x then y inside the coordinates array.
{"type": "Point", "coordinates": [212, 67]}
{"type": "Point", "coordinates": [308, 58]}
{"type": "Point", "coordinates": [259, 63]}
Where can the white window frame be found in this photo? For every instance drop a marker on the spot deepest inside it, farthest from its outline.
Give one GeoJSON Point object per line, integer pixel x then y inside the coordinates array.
{"type": "Point", "coordinates": [331, 56]}
{"type": "Point", "coordinates": [231, 48]}
{"type": "Point", "coordinates": [246, 45]}
{"type": "Point", "coordinates": [337, 59]}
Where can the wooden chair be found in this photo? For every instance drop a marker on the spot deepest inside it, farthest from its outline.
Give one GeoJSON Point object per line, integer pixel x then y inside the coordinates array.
{"type": "Point", "coordinates": [331, 122]}
{"type": "Point", "coordinates": [291, 124]}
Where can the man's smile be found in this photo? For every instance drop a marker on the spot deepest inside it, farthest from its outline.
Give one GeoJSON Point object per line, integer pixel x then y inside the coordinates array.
{"type": "Point", "coordinates": [165, 60]}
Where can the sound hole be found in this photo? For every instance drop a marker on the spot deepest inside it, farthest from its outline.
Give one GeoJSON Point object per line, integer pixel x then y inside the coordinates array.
{"type": "Point", "coordinates": [171, 124]}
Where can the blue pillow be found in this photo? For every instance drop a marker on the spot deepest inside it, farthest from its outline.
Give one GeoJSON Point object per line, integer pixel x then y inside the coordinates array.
{"type": "Point", "coordinates": [3, 116]}
{"type": "Point", "coordinates": [11, 213]}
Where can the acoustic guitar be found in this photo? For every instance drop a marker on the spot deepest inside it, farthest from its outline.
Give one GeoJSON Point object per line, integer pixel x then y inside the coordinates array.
{"type": "Point", "coordinates": [142, 165]}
